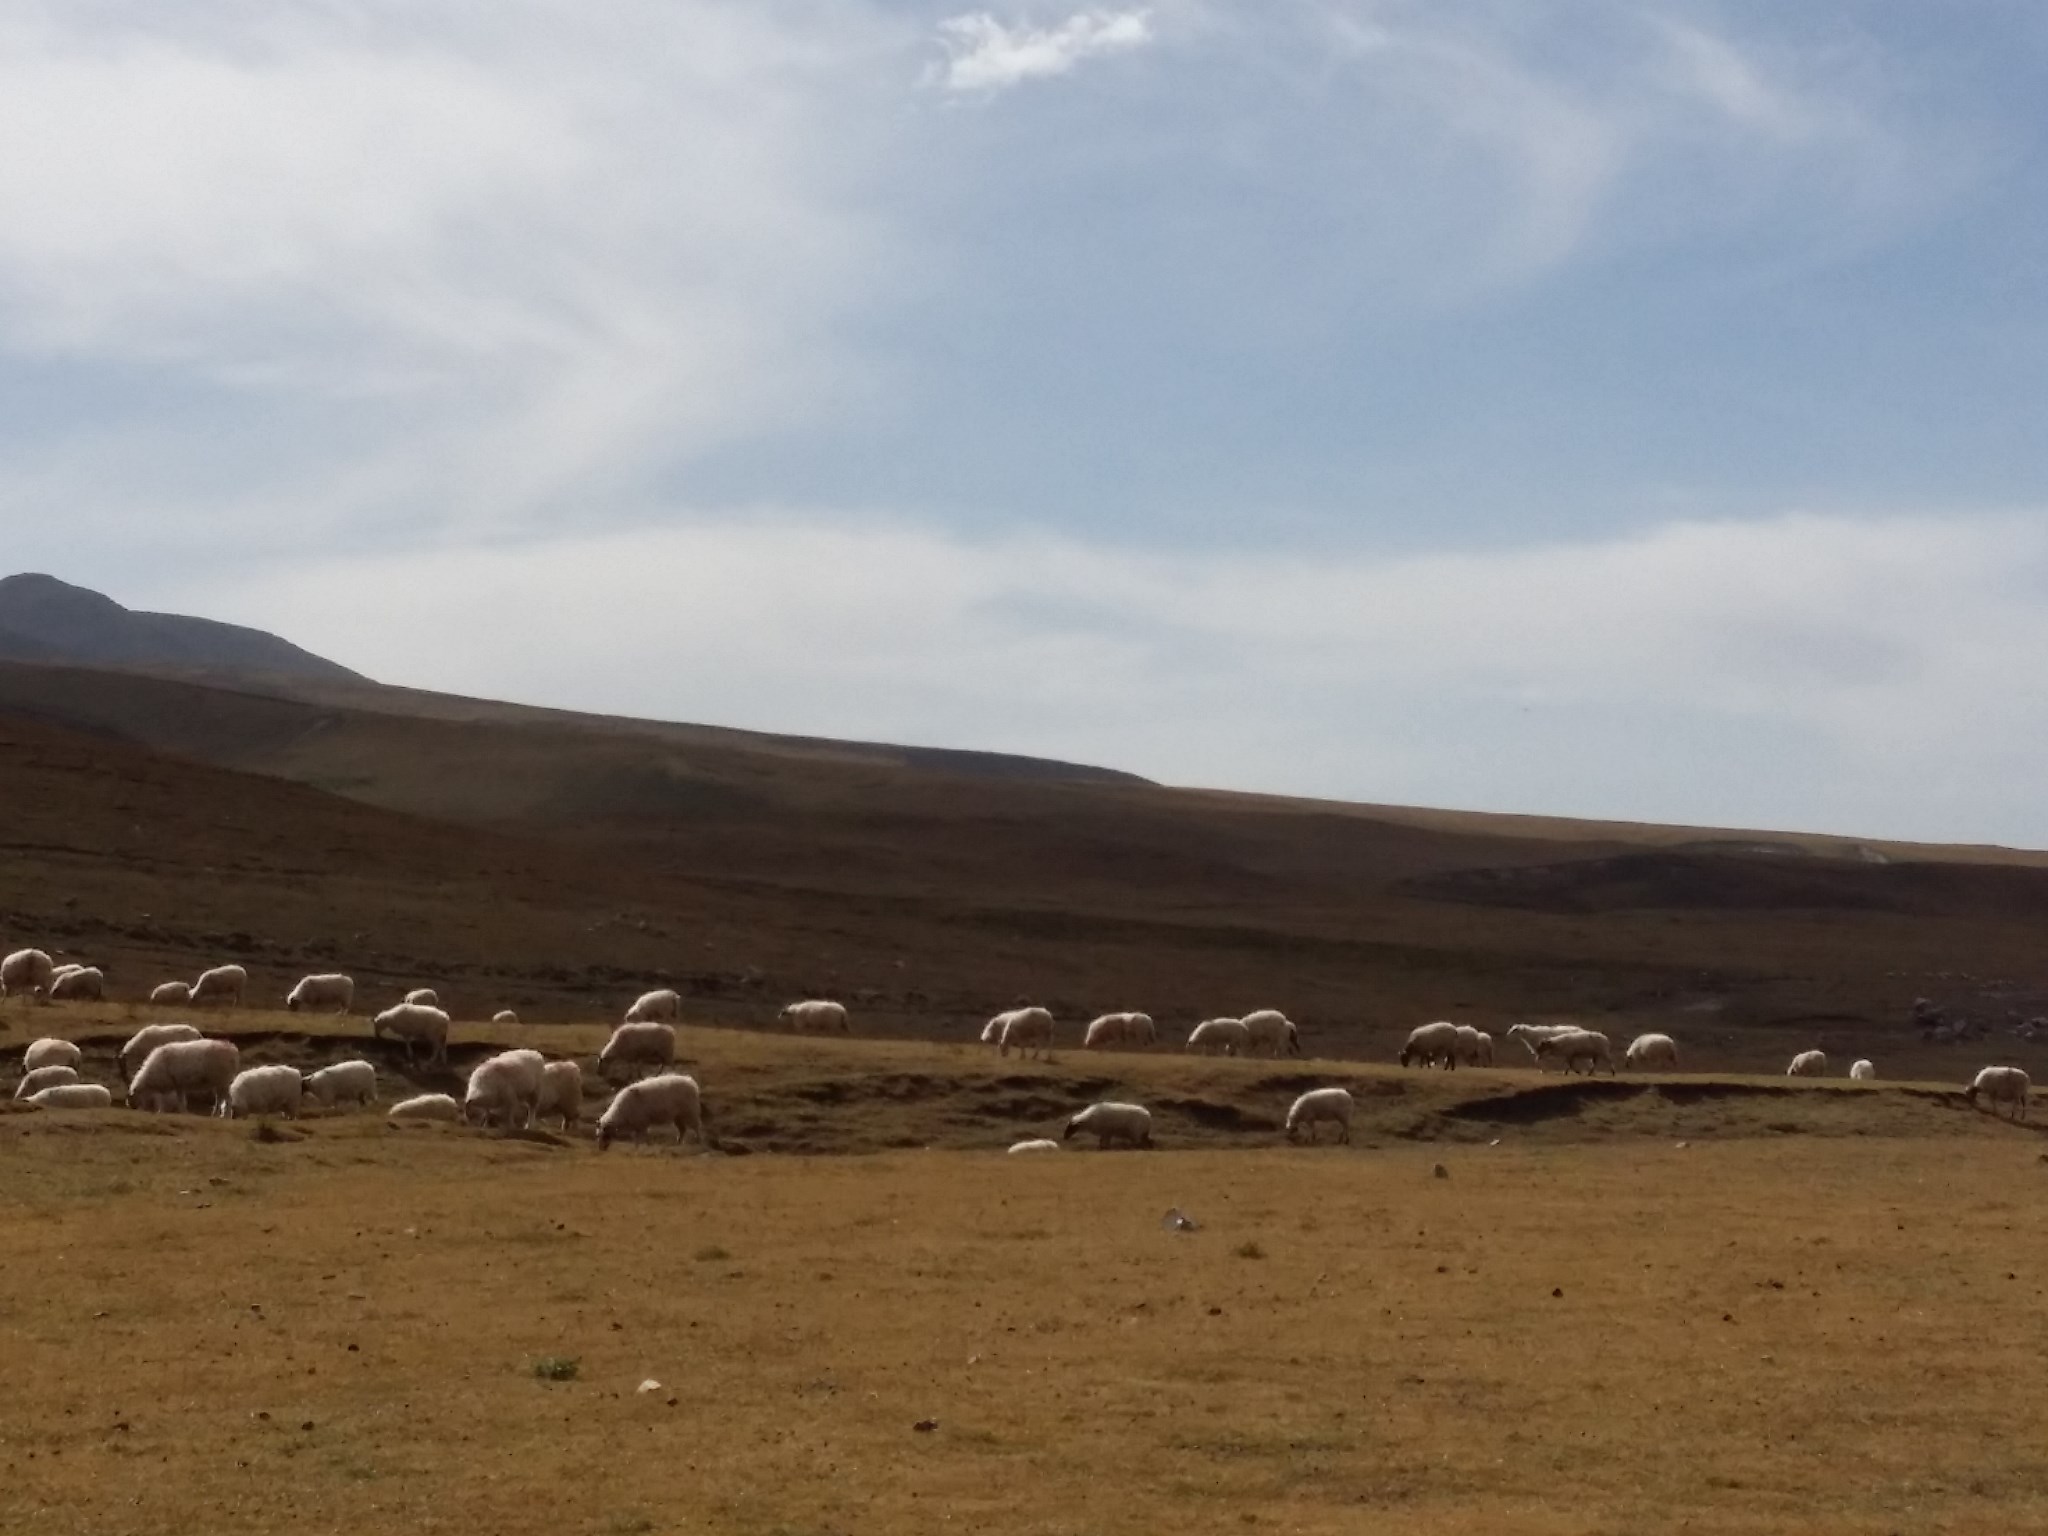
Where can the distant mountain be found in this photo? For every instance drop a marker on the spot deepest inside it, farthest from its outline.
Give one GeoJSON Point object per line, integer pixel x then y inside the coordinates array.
{"type": "Point", "coordinates": [46, 620]}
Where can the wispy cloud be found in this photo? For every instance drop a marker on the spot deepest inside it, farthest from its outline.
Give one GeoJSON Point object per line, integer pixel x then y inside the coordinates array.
{"type": "Point", "coordinates": [983, 54]}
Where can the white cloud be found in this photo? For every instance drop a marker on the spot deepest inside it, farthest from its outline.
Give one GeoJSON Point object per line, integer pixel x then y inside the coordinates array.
{"type": "Point", "coordinates": [983, 54]}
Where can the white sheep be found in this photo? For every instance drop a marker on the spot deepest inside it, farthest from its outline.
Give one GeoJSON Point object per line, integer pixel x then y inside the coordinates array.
{"type": "Point", "coordinates": [1652, 1053]}
{"type": "Point", "coordinates": [650, 1006]}
{"type": "Point", "coordinates": [1225, 1037]}
{"type": "Point", "coordinates": [49, 1052]}
{"type": "Point", "coordinates": [1475, 1047]}
{"type": "Point", "coordinates": [222, 986]}
{"type": "Point", "coordinates": [66, 969]}
{"type": "Point", "coordinates": [1432, 1045]}
{"type": "Point", "coordinates": [329, 990]}
{"type": "Point", "coordinates": [417, 1025]}
{"type": "Point", "coordinates": [346, 1082]}
{"type": "Point", "coordinates": [505, 1087]}
{"type": "Point", "coordinates": [561, 1093]}
{"type": "Point", "coordinates": [274, 1090]}
{"type": "Point", "coordinates": [2000, 1085]}
{"type": "Point", "coordinates": [147, 1039]}
{"type": "Point", "coordinates": [26, 973]}
{"type": "Point", "coordinates": [72, 1096]}
{"type": "Point", "coordinates": [1027, 1030]}
{"type": "Point", "coordinates": [80, 984]}
{"type": "Point", "coordinates": [425, 1107]}
{"type": "Point", "coordinates": [992, 1031]}
{"type": "Point", "coordinates": [424, 997]}
{"type": "Point", "coordinates": [1040, 1144]}
{"type": "Point", "coordinates": [1808, 1064]}
{"type": "Point", "coordinates": [1109, 1121]}
{"type": "Point", "coordinates": [504, 1016]}
{"type": "Point", "coordinates": [1271, 1033]}
{"type": "Point", "coordinates": [39, 1078]}
{"type": "Point", "coordinates": [1127, 1030]}
{"type": "Point", "coordinates": [1320, 1104]}
{"type": "Point", "coordinates": [818, 1015]}
{"type": "Point", "coordinates": [1862, 1072]}
{"type": "Point", "coordinates": [172, 1073]}
{"type": "Point", "coordinates": [1577, 1045]}
{"type": "Point", "coordinates": [171, 994]}
{"type": "Point", "coordinates": [636, 1046]}
{"type": "Point", "coordinates": [667, 1099]}
{"type": "Point", "coordinates": [1533, 1035]}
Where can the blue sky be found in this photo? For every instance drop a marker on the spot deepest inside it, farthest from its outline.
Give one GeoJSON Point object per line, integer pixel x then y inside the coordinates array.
{"type": "Point", "coordinates": [1602, 409]}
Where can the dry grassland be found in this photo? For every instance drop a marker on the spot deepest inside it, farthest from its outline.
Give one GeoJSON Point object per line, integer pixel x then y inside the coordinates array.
{"type": "Point", "coordinates": [208, 1331]}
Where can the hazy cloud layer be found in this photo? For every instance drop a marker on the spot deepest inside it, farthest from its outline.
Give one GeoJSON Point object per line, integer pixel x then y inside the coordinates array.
{"type": "Point", "coordinates": [984, 54]}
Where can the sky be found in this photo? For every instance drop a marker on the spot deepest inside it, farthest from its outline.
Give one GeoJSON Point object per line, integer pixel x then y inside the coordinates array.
{"type": "Point", "coordinates": [1621, 410]}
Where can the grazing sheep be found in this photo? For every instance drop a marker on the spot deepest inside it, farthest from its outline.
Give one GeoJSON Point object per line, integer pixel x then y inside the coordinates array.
{"type": "Point", "coordinates": [1652, 1053]}
{"type": "Point", "coordinates": [328, 991]}
{"type": "Point", "coordinates": [818, 1016]}
{"type": "Point", "coordinates": [1028, 1030]}
{"type": "Point", "coordinates": [992, 1031]}
{"type": "Point", "coordinates": [272, 1090]}
{"type": "Point", "coordinates": [1119, 1029]}
{"type": "Point", "coordinates": [425, 1107]}
{"type": "Point", "coordinates": [1431, 1045]}
{"type": "Point", "coordinates": [1219, 1037]}
{"type": "Point", "coordinates": [346, 1082]}
{"type": "Point", "coordinates": [1317, 1105]}
{"type": "Point", "coordinates": [172, 1073]}
{"type": "Point", "coordinates": [1271, 1033]}
{"type": "Point", "coordinates": [1577, 1045]}
{"type": "Point", "coordinates": [222, 986]}
{"type": "Point", "coordinates": [147, 1039]}
{"type": "Point", "coordinates": [1808, 1064]}
{"type": "Point", "coordinates": [1109, 1121]}
{"type": "Point", "coordinates": [1475, 1047]}
{"type": "Point", "coordinates": [561, 1093]}
{"type": "Point", "coordinates": [49, 1052]}
{"type": "Point", "coordinates": [505, 1087]}
{"type": "Point", "coordinates": [2000, 1085]}
{"type": "Point", "coordinates": [1039, 1145]}
{"type": "Point", "coordinates": [171, 994]}
{"type": "Point", "coordinates": [79, 984]}
{"type": "Point", "coordinates": [650, 1006]}
{"type": "Point", "coordinates": [416, 1025]}
{"type": "Point", "coordinates": [73, 1096]}
{"type": "Point", "coordinates": [1533, 1036]}
{"type": "Point", "coordinates": [636, 1046]}
{"type": "Point", "coordinates": [1862, 1072]}
{"type": "Point", "coordinates": [39, 1078]}
{"type": "Point", "coordinates": [504, 1016]}
{"type": "Point", "coordinates": [668, 1099]}
{"type": "Point", "coordinates": [26, 972]}
{"type": "Point", "coordinates": [424, 997]}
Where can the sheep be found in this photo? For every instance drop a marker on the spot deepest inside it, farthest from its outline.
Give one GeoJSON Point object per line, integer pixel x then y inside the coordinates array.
{"type": "Point", "coordinates": [73, 1096]}
{"type": "Point", "coordinates": [1533, 1035]}
{"type": "Point", "coordinates": [1577, 1045]}
{"type": "Point", "coordinates": [79, 984]}
{"type": "Point", "coordinates": [171, 994]}
{"type": "Point", "coordinates": [504, 1016]}
{"type": "Point", "coordinates": [650, 1006]}
{"type": "Point", "coordinates": [172, 1073]}
{"type": "Point", "coordinates": [223, 986]}
{"type": "Point", "coordinates": [1129, 1030]}
{"type": "Point", "coordinates": [66, 969]}
{"type": "Point", "coordinates": [505, 1086]}
{"type": "Point", "coordinates": [1432, 1045]}
{"type": "Point", "coordinates": [1808, 1064]}
{"type": "Point", "coordinates": [1652, 1053]}
{"type": "Point", "coordinates": [2001, 1085]}
{"type": "Point", "coordinates": [669, 1098]}
{"type": "Point", "coordinates": [346, 1082]}
{"type": "Point", "coordinates": [561, 1093]}
{"type": "Point", "coordinates": [1475, 1047]}
{"type": "Point", "coordinates": [26, 971]}
{"type": "Point", "coordinates": [992, 1031]}
{"type": "Point", "coordinates": [1862, 1072]}
{"type": "Point", "coordinates": [416, 1025]}
{"type": "Point", "coordinates": [51, 1053]}
{"type": "Point", "coordinates": [36, 1080]}
{"type": "Point", "coordinates": [272, 1090]}
{"type": "Point", "coordinates": [424, 997]}
{"type": "Point", "coordinates": [1028, 1029]}
{"type": "Point", "coordinates": [147, 1039]}
{"type": "Point", "coordinates": [1317, 1105]}
{"type": "Point", "coordinates": [425, 1106]}
{"type": "Point", "coordinates": [1227, 1037]}
{"type": "Point", "coordinates": [1038, 1145]}
{"type": "Point", "coordinates": [1109, 1121]}
{"type": "Point", "coordinates": [817, 1014]}
{"type": "Point", "coordinates": [638, 1045]}
{"type": "Point", "coordinates": [330, 991]}
{"type": "Point", "coordinates": [1271, 1033]}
